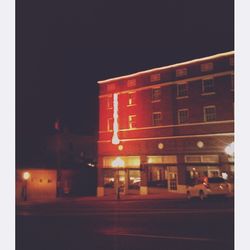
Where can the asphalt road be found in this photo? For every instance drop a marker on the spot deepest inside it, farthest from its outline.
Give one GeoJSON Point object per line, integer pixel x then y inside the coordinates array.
{"type": "Point", "coordinates": [131, 225]}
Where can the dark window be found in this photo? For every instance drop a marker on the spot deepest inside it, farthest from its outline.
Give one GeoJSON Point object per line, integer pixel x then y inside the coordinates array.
{"type": "Point", "coordinates": [157, 119]}
{"type": "Point", "coordinates": [182, 90]}
{"type": "Point", "coordinates": [183, 116]}
{"type": "Point", "coordinates": [156, 94]}
{"type": "Point", "coordinates": [208, 86]}
{"type": "Point", "coordinates": [209, 113]}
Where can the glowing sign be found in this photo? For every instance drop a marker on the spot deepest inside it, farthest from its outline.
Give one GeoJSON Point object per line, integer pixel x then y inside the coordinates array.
{"type": "Point", "coordinates": [118, 162]}
{"type": "Point", "coordinates": [115, 139]}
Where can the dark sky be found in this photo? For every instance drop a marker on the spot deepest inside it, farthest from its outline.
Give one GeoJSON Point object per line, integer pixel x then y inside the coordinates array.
{"type": "Point", "coordinates": [64, 47]}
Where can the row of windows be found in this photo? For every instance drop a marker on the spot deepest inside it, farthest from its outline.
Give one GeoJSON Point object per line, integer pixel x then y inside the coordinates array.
{"type": "Point", "coordinates": [208, 87]}
{"type": "Point", "coordinates": [180, 72]}
{"type": "Point", "coordinates": [183, 117]}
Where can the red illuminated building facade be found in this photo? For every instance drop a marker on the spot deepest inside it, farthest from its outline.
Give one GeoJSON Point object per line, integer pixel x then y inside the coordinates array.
{"type": "Point", "coordinates": [160, 128]}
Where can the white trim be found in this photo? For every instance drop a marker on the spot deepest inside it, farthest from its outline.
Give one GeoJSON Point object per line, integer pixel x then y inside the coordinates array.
{"type": "Point", "coordinates": [182, 97]}
{"type": "Point", "coordinates": [169, 137]}
{"type": "Point", "coordinates": [195, 78]}
{"type": "Point", "coordinates": [179, 125]}
{"type": "Point", "coordinates": [208, 93]}
{"type": "Point", "coordinates": [168, 67]}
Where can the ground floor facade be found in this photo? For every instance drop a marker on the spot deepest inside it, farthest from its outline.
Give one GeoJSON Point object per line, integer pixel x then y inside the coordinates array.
{"type": "Point", "coordinates": [163, 169]}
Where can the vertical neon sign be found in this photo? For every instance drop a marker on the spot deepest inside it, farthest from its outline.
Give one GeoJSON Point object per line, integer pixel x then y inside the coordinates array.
{"type": "Point", "coordinates": [115, 139]}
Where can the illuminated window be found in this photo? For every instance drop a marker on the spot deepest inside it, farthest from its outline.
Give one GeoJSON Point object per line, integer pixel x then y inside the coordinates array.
{"type": "Point", "coordinates": [205, 67]}
{"type": "Point", "coordinates": [132, 121]}
{"type": "Point", "coordinates": [181, 72]}
{"type": "Point", "coordinates": [183, 116]}
{"type": "Point", "coordinates": [209, 113]}
{"type": "Point", "coordinates": [208, 86]}
{"type": "Point", "coordinates": [110, 124]}
{"type": "Point", "coordinates": [156, 94]}
{"type": "Point", "coordinates": [182, 90]}
{"type": "Point", "coordinates": [157, 119]}
{"type": "Point", "coordinates": [131, 98]}
{"type": "Point", "coordinates": [155, 77]}
{"type": "Point", "coordinates": [110, 102]}
{"type": "Point", "coordinates": [131, 83]}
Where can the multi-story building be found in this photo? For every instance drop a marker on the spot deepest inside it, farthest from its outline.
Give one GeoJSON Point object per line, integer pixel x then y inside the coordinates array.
{"type": "Point", "coordinates": [161, 127]}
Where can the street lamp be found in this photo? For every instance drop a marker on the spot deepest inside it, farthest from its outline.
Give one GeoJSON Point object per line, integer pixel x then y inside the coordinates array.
{"type": "Point", "coordinates": [26, 176]}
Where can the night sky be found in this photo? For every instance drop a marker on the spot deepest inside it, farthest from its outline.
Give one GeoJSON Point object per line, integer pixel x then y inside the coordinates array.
{"type": "Point", "coordinates": [64, 47]}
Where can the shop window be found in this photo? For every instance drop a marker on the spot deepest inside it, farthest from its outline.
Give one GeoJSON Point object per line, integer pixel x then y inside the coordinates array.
{"type": "Point", "coordinates": [131, 98]}
{"type": "Point", "coordinates": [109, 178]}
{"type": "Point", "coordinates": [173, 181]}
{"type": "Point", "coordinates": [181, 72]}
{"type": "Point", "coordinates": [132, 121]}
{"type": "Point", "coordinates": [134, 179]}
{"type": "Point", "coordinates": [183, 116]}
{"type": "Point", "coordinates": [157, 119]}
{"type": "Point", "coordinates": [205, 67]}
{"type": "Point", "coordinates": [208, 86]}
{"type": "Point", "coordinates": [182, 90]}
{"type": "Point", "coordinates": [209, 113]}
{"type": "Point", "coordinates": [156, 94]}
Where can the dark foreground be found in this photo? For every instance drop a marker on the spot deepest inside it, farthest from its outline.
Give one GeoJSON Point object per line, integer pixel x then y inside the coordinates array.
{"type": "Point", "coordinates": [111, 225]}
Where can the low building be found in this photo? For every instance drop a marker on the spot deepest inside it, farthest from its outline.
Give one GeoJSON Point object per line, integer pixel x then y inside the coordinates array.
{"type": "Point", "coordinates": [162, 127]}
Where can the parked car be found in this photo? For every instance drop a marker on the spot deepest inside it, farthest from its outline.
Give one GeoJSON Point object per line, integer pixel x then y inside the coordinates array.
{"type": "Point", "coordinates": [208, 187]}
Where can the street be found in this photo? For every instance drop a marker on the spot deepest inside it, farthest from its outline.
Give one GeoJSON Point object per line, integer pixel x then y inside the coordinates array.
{"type": "Point", "coordinates": [73, 224]}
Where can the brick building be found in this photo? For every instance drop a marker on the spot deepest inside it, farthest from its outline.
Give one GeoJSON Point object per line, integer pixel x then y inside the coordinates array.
{"type": "Point", "coordinates": [160, 128]}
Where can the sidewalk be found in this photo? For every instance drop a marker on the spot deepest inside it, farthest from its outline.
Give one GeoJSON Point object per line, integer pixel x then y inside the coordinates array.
{"type": "Point", "coordinates": [130, 197]}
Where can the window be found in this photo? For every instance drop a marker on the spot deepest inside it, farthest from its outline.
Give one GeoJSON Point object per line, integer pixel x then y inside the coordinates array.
{"type": "Point", "coordinates": [157, 119]}
{"type": "Point", "coordinates": [205, 67]}
{"type": "Point", "coordinates": [209, 113]}
{"type": "Point", "coordinates": [110, 124]}
{"type": "Point", "coordinates": [183, 116]}
{"type": "Point", "coordinates": [182, 90]}
{"type": "Point", "coordinates": [208, 86]}
{"type": "Point", "coordinates": [132, 121]}
{"type": "Point", "coordinates": [110, 102]}
{"type": "Point", "coordinates": [111, 87]}
{"type": "Point", "coordinates": [156, 94]}
{"type": "Point", "coordinates": [131, 83]}
{"type": "Point", "coordinates": [181, 72]}
{"type": "Point", "coordinates": [131, 98]}
{"type": "Point", "coordinates": [155, 77]}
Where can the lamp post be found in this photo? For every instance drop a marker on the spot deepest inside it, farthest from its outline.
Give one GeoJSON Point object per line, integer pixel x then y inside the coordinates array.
{"type": "Point", "coordinates": [26, 176]}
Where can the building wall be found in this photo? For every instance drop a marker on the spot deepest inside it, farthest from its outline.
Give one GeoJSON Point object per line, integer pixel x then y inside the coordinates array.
{"type": "Point", "coordinates": [40, 186]}
{"type": "Point", "coordinates": [177, 139]}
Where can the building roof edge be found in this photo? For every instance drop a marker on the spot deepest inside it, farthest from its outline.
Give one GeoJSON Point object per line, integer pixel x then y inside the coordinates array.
{"type": "Point", "coordinates": [166, 67]}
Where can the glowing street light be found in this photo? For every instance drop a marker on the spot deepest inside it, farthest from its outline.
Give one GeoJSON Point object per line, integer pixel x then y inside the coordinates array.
{"type": "Point", "coordinates": [26, 176]}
